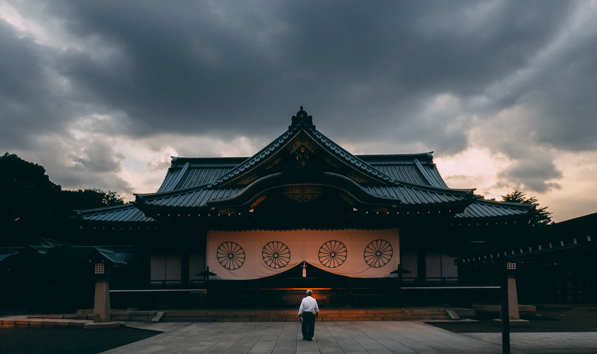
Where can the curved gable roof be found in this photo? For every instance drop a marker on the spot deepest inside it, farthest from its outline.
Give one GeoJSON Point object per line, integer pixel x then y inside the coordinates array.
{"type": "Point", "coordinates": [408, 179]}
{"type": "Point", "coordinates": [415, 169]}
{"type": "Point", "coordinates": [423, 184]}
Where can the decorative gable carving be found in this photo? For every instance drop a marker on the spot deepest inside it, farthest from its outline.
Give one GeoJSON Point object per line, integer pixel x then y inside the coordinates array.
{"type": "Point", "coordinates": [303, 195]}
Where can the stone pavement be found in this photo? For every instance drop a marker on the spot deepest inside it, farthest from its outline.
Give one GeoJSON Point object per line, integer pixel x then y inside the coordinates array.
{"type": "Point", "coordinates": [378, 337]}
{"type": "Point", "coordinates": [548, 342]}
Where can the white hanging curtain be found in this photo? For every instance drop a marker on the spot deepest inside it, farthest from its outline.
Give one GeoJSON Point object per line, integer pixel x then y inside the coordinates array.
{"type": "Point", "coordinates": [239, 255]}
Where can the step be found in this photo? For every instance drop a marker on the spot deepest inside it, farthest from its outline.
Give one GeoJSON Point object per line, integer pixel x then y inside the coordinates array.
{"type": "Point", "coordinates": [285, 315]}
{"type": "Point", "coordinates": [295, 319]}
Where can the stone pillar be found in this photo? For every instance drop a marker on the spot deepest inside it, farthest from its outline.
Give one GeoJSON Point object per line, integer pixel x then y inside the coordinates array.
{"type": "Point", "coordinates": [101, 309]}
{"type": "Point", "coordinates": [512, 299]}
{"type": "Point", "coordinates": [509, 299]}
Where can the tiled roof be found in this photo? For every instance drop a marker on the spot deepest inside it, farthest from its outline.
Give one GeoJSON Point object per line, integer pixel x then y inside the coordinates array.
{"type": "Point", "coordinates": [478, 209]}
{"type": "Point", "coordinates": [402, 194]}
{"type": "Point", "coordinates": [198, 177]}
{"type": "Point", "coordinates": [413, 195]}
{"type": "Point", "coordinates": [109, 255]}
{"type": "Point", "coordinates": [126, 212]}
{"type": "Point", "coordinates": [488, 209]}
{"type": "Point", "coordinates": [193, 172]}
{"type": "Point", "coordinates": [404, 173]}
{"type": "Point", "coordinates": [120, 255]}
{"type": "Point", "coordinates": [5, 253]}
{"type": "Point", "coordinates": [192, 198]}
{"type": "Point", "coordinates": [126, 255]}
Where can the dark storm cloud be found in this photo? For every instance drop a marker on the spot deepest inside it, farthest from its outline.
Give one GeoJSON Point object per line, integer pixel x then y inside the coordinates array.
{"type": "Point", "coordinates": [98, 157]}
{"type": "Point", "coordinates": [420, 73]}
{"type": "Point", "coordinates": [213, 66]}
{"type": "Point", "coordinates": [566, 103]}
{"type": "Point", "coordinates": [34, 99]}
{"type": "Point", "coordinates": [25, 89]}
{"type": "Point", "coordinates": [531, 174]}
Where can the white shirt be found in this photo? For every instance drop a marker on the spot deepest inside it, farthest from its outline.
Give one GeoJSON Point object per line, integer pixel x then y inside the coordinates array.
{"type": "Point", "coordinates": [308, 304]}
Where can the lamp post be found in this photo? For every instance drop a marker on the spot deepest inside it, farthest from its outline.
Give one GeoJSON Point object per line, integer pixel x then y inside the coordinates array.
{"type": "Point", "coordinates": [509, 270]}
{"type": "Point", "coordinates": [397, 288]}
{"type": "Point", "coordinates": [206, 274]}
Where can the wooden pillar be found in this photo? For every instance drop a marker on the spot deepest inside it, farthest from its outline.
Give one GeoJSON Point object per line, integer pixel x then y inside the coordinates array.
{"type": "Point", "coordinates": [398, 301]}
{"type": "Point", "coordinates": [422, 264]}
{"type": "Point", "coordinates": [203, 243]}
{"type": "Point", "coordinates": [257, 293]}
{"type": "Point", "coordinates": [184, 267]}
{"type": "Point", "coordinates": [350, 291]}
{"type": "Point", "coordinates": [398, 287]}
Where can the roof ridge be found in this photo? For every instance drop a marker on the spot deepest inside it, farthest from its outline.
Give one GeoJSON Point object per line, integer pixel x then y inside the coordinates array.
{"type": "Point", "coordinates": [327, 141]}
{"type": "Point", "coordinates": [496, 202]}
{"type": "Point", "coordinates": [422, 171]}
{"type": "Point", "coordinates": [107, 208]}
{"type": "Point", "coordinates": [440, 175]}
{"type": "Point", "coordinates": [174, 191]}
{"type": "Point", "coordinates": [261, 154]}
{"type": "Point", "coordinates": [165, 178]}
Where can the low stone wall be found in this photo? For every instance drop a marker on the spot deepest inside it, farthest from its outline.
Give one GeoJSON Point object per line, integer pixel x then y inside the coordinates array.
{"type": "Point", "coordinates": [121, 315]}
{"type": "Point", "coordinates": [489, 311]}
{"type": "Point", "coordinates": [67, 316]}
{"type": "Point", "coordinates": [24, 323]}
{"type": "Point", "coordinates": [83, 314]}
{"type": "Point", "coordinates": [464, 312]}
{"type": "Point", "coordinates": [138, 316]}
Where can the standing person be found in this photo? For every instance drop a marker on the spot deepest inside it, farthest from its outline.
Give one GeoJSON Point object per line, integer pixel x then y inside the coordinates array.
{"type": "Point", "coordinates": [308, 310]}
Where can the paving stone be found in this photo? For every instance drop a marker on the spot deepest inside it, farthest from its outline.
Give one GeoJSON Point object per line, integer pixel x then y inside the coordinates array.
{"type": "Point", "coordinates": [352, 337]}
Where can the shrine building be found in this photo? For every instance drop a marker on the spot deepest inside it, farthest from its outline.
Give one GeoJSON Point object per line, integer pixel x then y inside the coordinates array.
{"type": "Point", "coordinates": [301, 213]}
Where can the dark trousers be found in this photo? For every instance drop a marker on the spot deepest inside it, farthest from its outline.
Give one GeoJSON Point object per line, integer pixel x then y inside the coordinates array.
{"type": "Point", "coordinates": [308, 326]}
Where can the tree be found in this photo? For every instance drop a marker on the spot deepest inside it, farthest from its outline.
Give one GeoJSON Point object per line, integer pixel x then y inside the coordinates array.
{"type": "Point", "coordinates": [90, 199]}
{"type": "Point", "coordinates": [32, 206]}
{"type": "Point", "coordinates": [541, 217]}
{"type": "Point", "coordinates": [29, 200]}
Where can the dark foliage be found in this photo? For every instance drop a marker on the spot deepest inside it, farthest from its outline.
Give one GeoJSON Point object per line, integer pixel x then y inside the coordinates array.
{"type": "Point", "coordinates": [90, 199]}
{"type": "Point", "coordinates": [541, 216]}
{"type": "Point", "coordinates": [61, 282]}
{"type": "Point", "coordinates": [32, 206]}
{"type": "Point", "coordinates": [29, 200]}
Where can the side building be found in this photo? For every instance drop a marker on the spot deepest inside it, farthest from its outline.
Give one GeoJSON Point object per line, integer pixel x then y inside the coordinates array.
{"type": "Point", "coordinates": [302, 213]}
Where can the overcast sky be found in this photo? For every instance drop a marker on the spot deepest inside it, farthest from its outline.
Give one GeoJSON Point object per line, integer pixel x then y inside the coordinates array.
{"type": "Point", "coordinates": [102, 93]}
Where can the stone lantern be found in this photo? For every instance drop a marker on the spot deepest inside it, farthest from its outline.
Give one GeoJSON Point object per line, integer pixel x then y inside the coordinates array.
{"type": "Point", "coordinates": [102, 261]}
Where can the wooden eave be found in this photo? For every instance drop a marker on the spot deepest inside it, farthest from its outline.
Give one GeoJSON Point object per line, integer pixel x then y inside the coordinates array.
{"type": "Point", "coordinates": [281, 180]}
